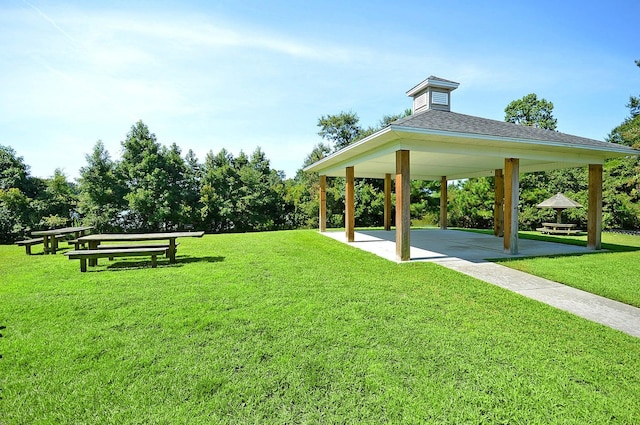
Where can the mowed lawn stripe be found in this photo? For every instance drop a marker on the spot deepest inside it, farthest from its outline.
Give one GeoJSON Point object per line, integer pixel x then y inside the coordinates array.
{"type": "Point", "coordinates": [292, 327]}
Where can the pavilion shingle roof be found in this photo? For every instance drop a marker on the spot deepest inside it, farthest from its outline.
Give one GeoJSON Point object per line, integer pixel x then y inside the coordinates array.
{"type": "Point", "coordinates": [459, 123]}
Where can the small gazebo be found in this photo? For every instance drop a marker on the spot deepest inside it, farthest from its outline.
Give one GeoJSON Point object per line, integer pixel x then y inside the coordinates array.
{"type": "Point", "coordinates": [559, 202]}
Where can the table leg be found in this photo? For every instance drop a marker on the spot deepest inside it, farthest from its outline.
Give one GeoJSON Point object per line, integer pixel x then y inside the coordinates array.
{"type": "Point", "coordinates": [54, 243]}
{"type": "Point", "coordinates": [93, 245]}
{"type": "Point", "coordinates": [172, 250]}
{"type": "Point", "coordinates": [46, 243]}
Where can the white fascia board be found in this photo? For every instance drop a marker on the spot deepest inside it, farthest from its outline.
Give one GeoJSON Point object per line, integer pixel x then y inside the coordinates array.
{"type": "Point", "coordinates": [350, 151]}
{"type": "Point", "coordinates": [338, 167]}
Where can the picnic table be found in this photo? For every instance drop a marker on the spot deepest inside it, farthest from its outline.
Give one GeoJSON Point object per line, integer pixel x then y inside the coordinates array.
{"type": "Point", "coordinates": [50, 237]}
{"type": "Point", "coordinates": [96, 239]}
{"type": "Point", "coordinates": [558, 228]}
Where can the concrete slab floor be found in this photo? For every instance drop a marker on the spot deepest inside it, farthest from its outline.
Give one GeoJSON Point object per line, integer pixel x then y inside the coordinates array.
{"type": "Point", "coordinates": [467, 252]}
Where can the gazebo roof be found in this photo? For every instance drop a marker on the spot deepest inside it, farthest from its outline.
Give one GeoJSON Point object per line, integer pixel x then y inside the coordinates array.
{"type": "Point", "coordinates": [559, 201]}
{"type": "Point", "coordinates": [444, 143]}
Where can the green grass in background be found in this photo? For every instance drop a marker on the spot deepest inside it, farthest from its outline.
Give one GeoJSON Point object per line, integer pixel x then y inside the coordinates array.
{"type": "Point", "coordinates": [293, 327]}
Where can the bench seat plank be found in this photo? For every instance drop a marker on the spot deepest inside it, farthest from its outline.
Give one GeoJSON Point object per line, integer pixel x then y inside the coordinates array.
{"type": "Point", "coordinates": [134, 246]}
{"type": "Point", "coordinates": [27, 243]}
{"type": "Point", "coordinates": [84, 254]}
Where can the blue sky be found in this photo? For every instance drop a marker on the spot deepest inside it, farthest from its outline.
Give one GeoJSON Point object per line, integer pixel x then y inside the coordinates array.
{"type": "Point", "coordinates": [208, 75]}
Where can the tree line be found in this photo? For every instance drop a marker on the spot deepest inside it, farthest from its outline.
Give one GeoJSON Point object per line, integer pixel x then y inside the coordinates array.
{"type": "Point", "coordinates": [153, 187]}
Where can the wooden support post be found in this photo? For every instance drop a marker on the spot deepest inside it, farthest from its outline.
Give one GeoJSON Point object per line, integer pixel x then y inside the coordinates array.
{"type": "Point", "coordinates": [498, 205]}
{"type": "Point", "coordinates": [323, 204]}
{"type": "Point", "coordinates": [594, 213]}
{"type": "Point", "coordinates": [511, 197]}
{"type": "Point", "coordinates": [443, 203]}
{"type": "Point", "coordinates": [349, 205]}
{"type": "Point", "coordinates": [387, 202]}
{"type": "Point", "coordinates": [403, 211]}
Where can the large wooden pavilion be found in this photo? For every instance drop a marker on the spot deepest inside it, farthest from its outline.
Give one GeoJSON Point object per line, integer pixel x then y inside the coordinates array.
{"type": "Point", "coordinates": [437, 144]}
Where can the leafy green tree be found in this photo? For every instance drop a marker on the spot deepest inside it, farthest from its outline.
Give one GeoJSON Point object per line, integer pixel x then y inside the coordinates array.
{"type": "Point", "coordinates": [219, 185]}
{"type": "Point", "coordinates": [532, 112]}
{"type": "Point", "coordinates": [425, 201]}
{"type": "Point", "coordinates": [14, 214]}
{"type": "Point", "coordinates": [242, 194]}
{"type": "Point", "coordinates": [319, 151]}
{"type": "Point", "coordinates": [174, 207]}
{"type": "Point", "coordinates": [14, 173]}
{"type": "Point", "coordinates": [341, 129]}
{"type": "Point", "coordinates": [369, 203]}
{"type": "Point", "coordinates": [59, 201]}
{"type": "Point", "coordinates": [259, 205]}
{"type": "Point", "coordinates": [141, 171]}
{"type": "Point", "coordinates": [102, 201]}
{"type": "Point", "coordinates": [471, 203]}
{"type": "Point", "coordinates": [155, 180]}
{"type": "Point", "coordinates": [192, 183]}
{"type": "Point", "coordinates": [17, 189]}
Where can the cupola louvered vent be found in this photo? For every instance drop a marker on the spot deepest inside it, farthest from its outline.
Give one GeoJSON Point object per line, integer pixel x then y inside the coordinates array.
{"type": "Point", "coordinates": [420, 101]}
{"type": "Point", "coordinates": [440, 98]}
{"type": "Point", "coordinates": [432, 93]}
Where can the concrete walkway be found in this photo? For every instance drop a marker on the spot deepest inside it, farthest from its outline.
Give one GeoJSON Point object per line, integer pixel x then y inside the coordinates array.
{"type": "Point", "coordinates": [466, 252]}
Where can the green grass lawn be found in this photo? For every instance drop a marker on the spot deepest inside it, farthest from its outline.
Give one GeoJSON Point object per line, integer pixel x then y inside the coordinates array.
{"type": "Point", "coordinates": [613, 274]}
{"type": "Point", "coordinates": [293, 327]}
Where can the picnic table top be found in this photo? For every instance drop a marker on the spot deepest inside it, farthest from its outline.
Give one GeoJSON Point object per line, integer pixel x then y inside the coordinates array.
{"type": "Point", "coordinates": [559, 225]}
{"type": "Point", "coordinates": [139, 236]}
{"type": "Point", "coordinates": [61, 231]}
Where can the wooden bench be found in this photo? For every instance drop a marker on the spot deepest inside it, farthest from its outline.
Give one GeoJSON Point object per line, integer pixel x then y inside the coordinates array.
{"type": "Point", "coordinates": [84, 254]}
{"type": "Point", "coordinates": [28, 243]}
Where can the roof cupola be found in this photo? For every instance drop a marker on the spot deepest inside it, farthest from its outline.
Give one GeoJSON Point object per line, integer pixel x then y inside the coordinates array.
{"type": "Point", "coordinates": [432, 93]}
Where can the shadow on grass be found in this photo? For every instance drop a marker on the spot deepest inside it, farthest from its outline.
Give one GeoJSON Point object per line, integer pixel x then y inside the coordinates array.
{"type": "Point", "coordinates": [146, 264]}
